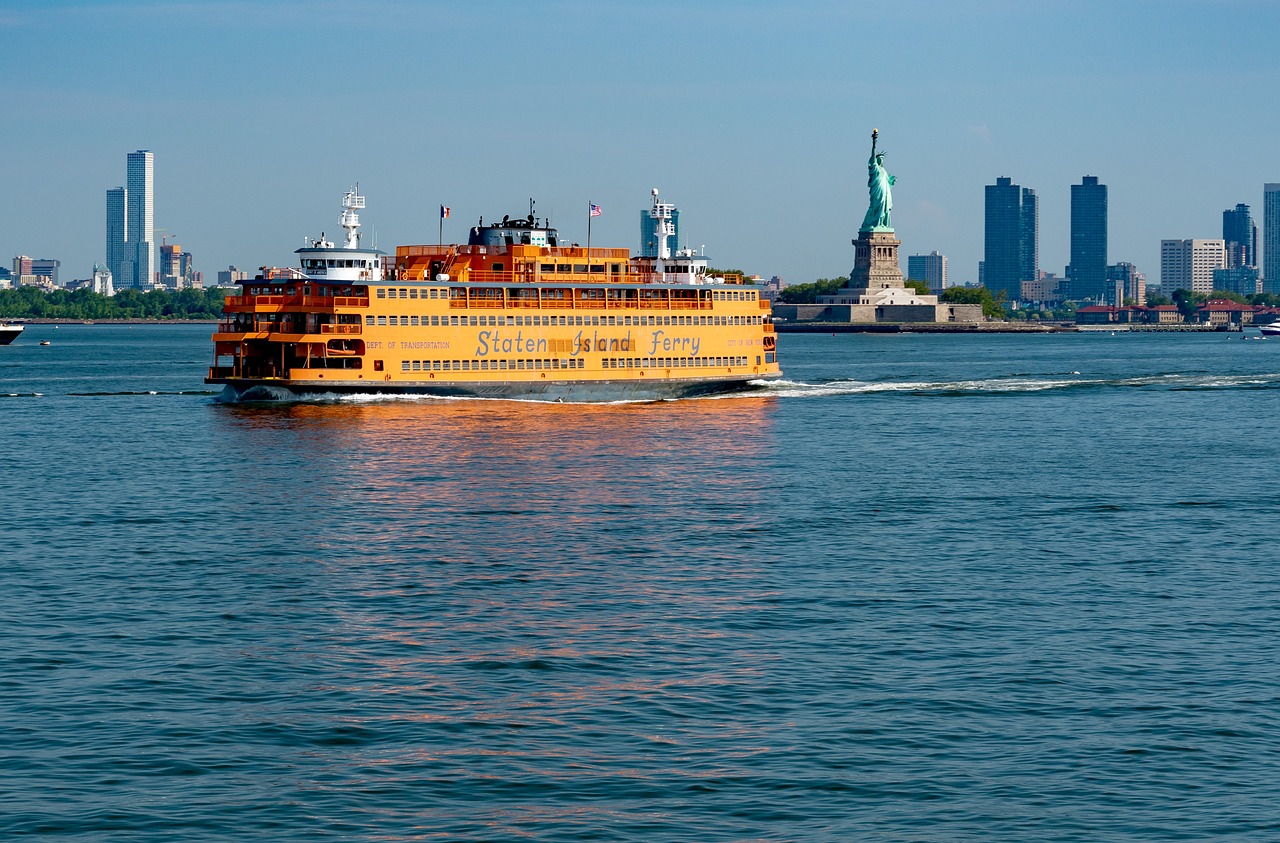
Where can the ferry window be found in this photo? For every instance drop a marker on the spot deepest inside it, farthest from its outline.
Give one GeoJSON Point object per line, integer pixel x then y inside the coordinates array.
{"type": "Point", "coordinates": [511, 320]}
{"type": "Point", "coordinates": [454, 321]}
{"type": "Point", "coordinates": [579, 267]}
{"type": "Point", "coordinates": [595, 320]}
{"type": "Point", "coordinates": [615, 268]}
{"type": "Point", "coordinates": [404, 294]}
{"type": "Point", "coordinates": [368, 320]}
{"type": "Point", "coordinates": [475, 320]}
{"type": "Point", "coordinates": [547, 267]}
{"type": "Point", "coordinates": [382, 293]}
{"type": "Point", "coordinates": [502, 364]}
{"type": "Point", "coordinates": [597, 268]}
{"type": "Point", "coordinates": [382, 320]}
{"type": "Point", "coordinates": [497, 267]}
{"type": "Point", "coordinates": [404, 365]}
{"type": "Point", "coordinates": [417, 365]}
{"type": "Point", "coordinates": [768, 357]}
{"type": "Point", "coordinates": [466, 365]}
{"type": "Point", "coordinates": [413, 320]}
{"type": "Point", "coordinates": [377, 365]}
{"type": "Point", "coordinates": [563, 267]}
{"type": "Point", "coordinates": [413, 294]}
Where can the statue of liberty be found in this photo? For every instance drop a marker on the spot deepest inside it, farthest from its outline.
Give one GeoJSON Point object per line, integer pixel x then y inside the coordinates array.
{"type": "Point", "coordinates": [879, 183]}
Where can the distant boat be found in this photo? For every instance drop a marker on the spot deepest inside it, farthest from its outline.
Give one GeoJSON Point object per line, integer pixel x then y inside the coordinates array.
{"type": "Point", "coordinates": [45, 342]}
{"type": "Point", "coordinates": [9, 333]}
{"type": "Point", "coordinates": [1271, 329]}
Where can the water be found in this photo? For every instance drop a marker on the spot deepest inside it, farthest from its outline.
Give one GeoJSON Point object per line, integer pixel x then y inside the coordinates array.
{"type": "Point", "coordinates": [931, 588]}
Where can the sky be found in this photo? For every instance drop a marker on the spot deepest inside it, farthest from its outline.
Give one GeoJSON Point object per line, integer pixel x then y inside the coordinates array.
{"type": "Point", "coordinates": [754, 118]}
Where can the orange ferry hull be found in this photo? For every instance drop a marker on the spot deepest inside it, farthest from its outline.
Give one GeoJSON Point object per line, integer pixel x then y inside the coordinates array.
{"type": "Point", "coordinates": [567, 391]}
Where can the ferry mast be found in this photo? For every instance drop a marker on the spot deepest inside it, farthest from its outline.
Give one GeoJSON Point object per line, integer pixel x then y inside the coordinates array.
{"type": "Point", "coordinates": [663, 228]}
{"type": "Point", "coordinates": [350, 220]}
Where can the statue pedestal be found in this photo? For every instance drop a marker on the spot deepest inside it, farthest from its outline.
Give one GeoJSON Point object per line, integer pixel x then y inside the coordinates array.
{"type": "Point", "coordinates": [875, 262]}
{"type": "Point", "coordinates": [876, 292]}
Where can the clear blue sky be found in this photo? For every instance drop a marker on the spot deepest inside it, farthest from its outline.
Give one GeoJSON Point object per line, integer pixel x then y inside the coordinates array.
{"type": "Point", "coordinates": [753, 117]}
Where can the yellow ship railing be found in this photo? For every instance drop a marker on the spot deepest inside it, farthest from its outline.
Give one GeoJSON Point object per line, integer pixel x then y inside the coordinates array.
{"type": "Point", "coordinates": [296, 301]}
{"type": "Point", "coordinates": [271, 327]}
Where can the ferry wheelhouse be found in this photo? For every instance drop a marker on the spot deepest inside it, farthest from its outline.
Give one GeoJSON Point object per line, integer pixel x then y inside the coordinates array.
{"type": "Point", "coordinates": [512, 313]}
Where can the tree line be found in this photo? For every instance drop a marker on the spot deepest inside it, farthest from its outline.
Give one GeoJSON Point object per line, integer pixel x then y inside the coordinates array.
{"type": "Point", "coordinates": [992, 306]}
{"type": "Point", "coordinates": [34, 303]}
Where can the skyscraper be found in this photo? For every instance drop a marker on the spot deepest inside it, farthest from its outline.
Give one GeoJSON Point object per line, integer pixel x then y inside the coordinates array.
{"type": "Point", "coordinates": [1124, 281]}
{"type": "Point", "coordinates": [1088, 270]}
{"type": "Point", "coordinates": [1241, 236]}
{"type": "Point", "coordinates": [118, 259]}
{"type": "Point", "coordinates": [141, 215]}
{"type": "Point", "coordinates": [1012, 237]}
{"type": "Point", "coordinates": [931, 268]}
{"type": "Point", "coordinates": [131, 252]}
{"type": "Point", "coordinates": [1189, 264]}
{"type": "Point", "coordinates": [1271, 238]}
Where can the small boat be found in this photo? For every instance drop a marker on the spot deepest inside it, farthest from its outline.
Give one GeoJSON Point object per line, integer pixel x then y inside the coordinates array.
{"type": "Point", "coordinates": [1271, 329]}
{"type": "Point", "coordinates": [45, 342]}
{"type": "Point", "coordinates": [9, 333]}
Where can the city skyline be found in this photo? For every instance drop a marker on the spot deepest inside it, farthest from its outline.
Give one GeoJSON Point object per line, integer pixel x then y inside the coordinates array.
{"type": "Point", "coordinates": [778, 113]}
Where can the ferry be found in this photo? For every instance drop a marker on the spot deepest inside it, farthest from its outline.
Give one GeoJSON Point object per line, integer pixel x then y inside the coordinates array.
{"type": "Point", "coordinates": [9, 333]}
{"type": "Point", "coordinates": [513, 313]}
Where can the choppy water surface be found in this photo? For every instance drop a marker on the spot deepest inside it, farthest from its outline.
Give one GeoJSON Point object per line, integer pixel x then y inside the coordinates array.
{"type": "Point", "coordinates": [929, 588]}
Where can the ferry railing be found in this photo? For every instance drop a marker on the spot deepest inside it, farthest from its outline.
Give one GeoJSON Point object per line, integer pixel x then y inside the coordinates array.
{"type": "Point", "coordinates": [341, 329]}
{"type": "Point", "coordinates": [582, 304]}
{"type": "Point", "coordinates": [297, 301]}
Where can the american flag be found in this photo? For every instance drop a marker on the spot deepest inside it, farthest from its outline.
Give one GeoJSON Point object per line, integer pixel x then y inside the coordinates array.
{"type": "Point", "coordinates": [444, 212]}
{"type": "Point", "coordinates": [595, 210]}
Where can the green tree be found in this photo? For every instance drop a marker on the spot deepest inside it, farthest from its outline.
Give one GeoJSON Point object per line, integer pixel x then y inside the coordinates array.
{"type": "Point", "coordinates": [991, 307]}
{"type": "Point", "coordinates": [921, 287]}
{"type": "Point", "coordinates": [34, 303]}
{"type": "Point", "coordinates": [1188, 302]}
{"type": "Point", "coordinates": [808, 293]}
{"type": "Point", "coordinates": [1154, 299]}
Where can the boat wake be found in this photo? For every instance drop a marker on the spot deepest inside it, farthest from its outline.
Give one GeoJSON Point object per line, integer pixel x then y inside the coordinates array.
{"type": "Point", "coordinates": [1017, 385]}
{"type": "Point", "coordinates": [1003, 386]}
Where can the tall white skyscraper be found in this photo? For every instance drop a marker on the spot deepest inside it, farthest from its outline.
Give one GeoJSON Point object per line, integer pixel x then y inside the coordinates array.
{"type": "Point", "coordinates": [1271, 238]}
{"type": "Point", "coordinates": [1189, 264]}
{"type": "Point", "coordinates": [131, 248]}
{"type": "Point", "coordinates": [141, 215]}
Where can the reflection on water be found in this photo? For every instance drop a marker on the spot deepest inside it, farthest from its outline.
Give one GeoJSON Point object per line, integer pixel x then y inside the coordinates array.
{"type": "Point", "coordinates": [538, 602]}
